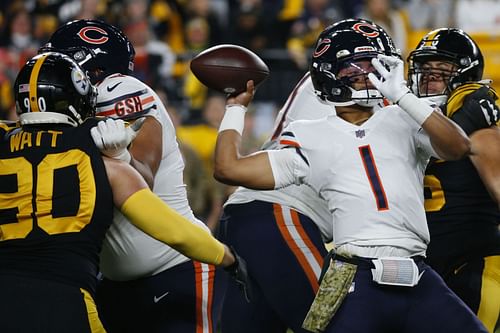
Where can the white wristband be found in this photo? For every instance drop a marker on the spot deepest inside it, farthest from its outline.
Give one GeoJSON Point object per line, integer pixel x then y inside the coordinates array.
{"type": "Point", "coordinates": [416, 108]}
{"type": "Point", "coordinates": [234, 118]}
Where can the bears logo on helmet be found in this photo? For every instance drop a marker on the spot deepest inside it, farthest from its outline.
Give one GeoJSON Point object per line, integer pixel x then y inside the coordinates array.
{"type": "Point", "coordinates": [100, 48]}
{"type": "Point", "coordinates": [366, 29]}
{"type": "Point", "coordinates": [341, 45]}
{"type": "Point", "coordinates": [83, 34]}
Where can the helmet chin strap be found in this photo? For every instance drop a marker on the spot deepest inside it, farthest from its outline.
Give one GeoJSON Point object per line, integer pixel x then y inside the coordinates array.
{"type": "Point", "coordinates": [76, 115]}
{"type": "Point", "coordinates": [366, 98]}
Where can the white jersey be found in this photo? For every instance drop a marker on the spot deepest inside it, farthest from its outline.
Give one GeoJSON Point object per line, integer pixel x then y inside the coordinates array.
{"type": "Point", "coordinates": [301, 104]}
{"type": "Point", "coordinates": [127, 252]}
{"type": "Point", "coordinates": [370, 175]}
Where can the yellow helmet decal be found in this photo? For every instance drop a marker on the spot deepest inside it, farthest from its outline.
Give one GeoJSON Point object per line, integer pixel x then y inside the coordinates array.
{"type": "Point", "coordinates": [33, 83]}
{"type": "Point", "coordinates": [429, 38]}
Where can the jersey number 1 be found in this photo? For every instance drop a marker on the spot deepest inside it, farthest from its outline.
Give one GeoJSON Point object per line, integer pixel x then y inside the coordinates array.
{"type": "Point", "coordinates": [373, 177]}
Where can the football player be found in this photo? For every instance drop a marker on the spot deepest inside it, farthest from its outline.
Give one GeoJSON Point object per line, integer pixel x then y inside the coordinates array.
{"type": "Point", "coordinates": [369, 167]}
{"type": "Point", "coordinates": [462, 197]}
{"type": "Point", "coordinates": [291, 223]}
{"type": "Point", "coordinates": [57, 198]}
{"type": "Point", "coordinates": [147, 286]}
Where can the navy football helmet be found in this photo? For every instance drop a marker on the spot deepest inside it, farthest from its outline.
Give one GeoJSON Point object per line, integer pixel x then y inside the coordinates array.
{"type": "Point", "coordinates": [343, 45]}
{"type": "Point", "coordinates": [449, 45]}
{"type": "Point", "coordinates": [98, 47]}
{"type": "Point", "coordinates": [52, 88]}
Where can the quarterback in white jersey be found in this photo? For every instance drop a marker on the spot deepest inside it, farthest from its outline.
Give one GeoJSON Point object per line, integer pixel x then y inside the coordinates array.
{"type": "Point", "coordinates": [301, 104]}
{"type": "Point", "coordinates": [146, 286]}
{"type": "Point", "coordinates": [363, 175]}
{"type": "Point", "coordinates": [292, 223]}
{"type": "Point", "coordinates": [369, 167]}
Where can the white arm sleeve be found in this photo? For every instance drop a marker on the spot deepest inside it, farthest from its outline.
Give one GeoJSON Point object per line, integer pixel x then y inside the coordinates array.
{"type": "Point", "coordinates": [288, 167]}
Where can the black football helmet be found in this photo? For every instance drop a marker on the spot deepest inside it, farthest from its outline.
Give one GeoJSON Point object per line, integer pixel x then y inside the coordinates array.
{"type": "Point", "coordinates": [366, 27]}
{"type": "Point", "coordinates": [340, 46]}
{"type": "Point", "coordinates": [52, 88]}
{"type": "Point", "coordinates": [448, 45]}
{"type": "Point", "coordinates": [98, 47]}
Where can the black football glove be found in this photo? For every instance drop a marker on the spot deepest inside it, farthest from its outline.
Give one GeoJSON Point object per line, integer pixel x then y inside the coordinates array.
{"type": "Point", "coordinates": [478, 111]}
{"type": "Point", "coordinates": [238, 271]}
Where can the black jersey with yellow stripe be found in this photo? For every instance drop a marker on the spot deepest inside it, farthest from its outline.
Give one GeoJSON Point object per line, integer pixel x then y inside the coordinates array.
{"type": "Point", "coordinates": [463, 219]}
{"type": "Point", "coordinates": [55, 204]}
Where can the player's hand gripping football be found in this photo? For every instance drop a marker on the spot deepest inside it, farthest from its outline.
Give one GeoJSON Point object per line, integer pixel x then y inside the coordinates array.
{"type": "Point", "coordinates": [243, 98]}
{"type": "Point", "coordinates": [392, 83]}
{"type": "Point", "coordinates": [239, 272]}
{"type": "Point", "coordinates": [478, 111]}
{"type": "Point", "coordinates": [112, 137]}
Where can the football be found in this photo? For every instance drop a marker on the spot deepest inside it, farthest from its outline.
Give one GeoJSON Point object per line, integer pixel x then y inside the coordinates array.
{"type": "Point", "coordinates": [227, 68]}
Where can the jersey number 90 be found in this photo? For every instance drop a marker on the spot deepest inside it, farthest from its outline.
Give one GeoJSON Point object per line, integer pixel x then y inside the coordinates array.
{"type": "Point", "coordinates": [29, 199]}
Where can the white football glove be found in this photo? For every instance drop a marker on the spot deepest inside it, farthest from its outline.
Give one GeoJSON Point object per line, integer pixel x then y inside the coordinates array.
{"type": "Point", "coordinates": [392, 84]}
{"type": "Point", "coordinates": [112, 137]}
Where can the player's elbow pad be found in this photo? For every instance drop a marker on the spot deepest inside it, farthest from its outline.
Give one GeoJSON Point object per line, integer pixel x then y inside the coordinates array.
{"type": "Point", "coordinates": [150, 214]}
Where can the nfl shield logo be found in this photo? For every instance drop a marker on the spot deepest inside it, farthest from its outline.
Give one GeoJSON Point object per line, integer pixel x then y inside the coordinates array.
{"type": "Point", "coordinates": [360, 133]}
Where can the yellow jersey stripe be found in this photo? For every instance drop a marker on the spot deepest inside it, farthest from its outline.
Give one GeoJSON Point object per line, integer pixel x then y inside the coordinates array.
{"type": "Point", "coordinates": [489, 308]}
{"type": "Point", "coordinates": [94, 321]}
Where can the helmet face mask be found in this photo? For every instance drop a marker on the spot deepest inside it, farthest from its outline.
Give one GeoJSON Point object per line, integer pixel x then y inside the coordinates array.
{"type": "Point", "coordinates": [447, 55]}
{"type": "Point", "coordinates": [100, 48]}
{"type": "Point", "coordinates": [432, 78]}
{"type": "Point", "coordinates": [341, 62]}
{"type": "Point", "coordinates": [52, 88]}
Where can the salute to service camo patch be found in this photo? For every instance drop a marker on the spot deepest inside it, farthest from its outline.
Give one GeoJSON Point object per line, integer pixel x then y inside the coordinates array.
{"type": "Point", "coordinates": [333, 289]}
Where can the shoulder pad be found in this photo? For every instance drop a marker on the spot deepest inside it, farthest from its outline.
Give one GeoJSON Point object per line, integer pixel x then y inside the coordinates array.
{"type": "Point", "coordinates": [8, 124]}
{"type": "Point", "coordinates": [456, 99]}
{"type": "Point", "coordinates": [124, 97]}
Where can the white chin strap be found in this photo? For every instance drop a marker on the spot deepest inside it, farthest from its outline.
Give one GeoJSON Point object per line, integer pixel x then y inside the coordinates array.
{"type": "Point", "coordinates": [367, 97]}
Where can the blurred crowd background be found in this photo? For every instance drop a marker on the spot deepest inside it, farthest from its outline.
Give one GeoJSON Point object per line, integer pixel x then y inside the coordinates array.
{"type": "Point", "coordinates": [167, 34]}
